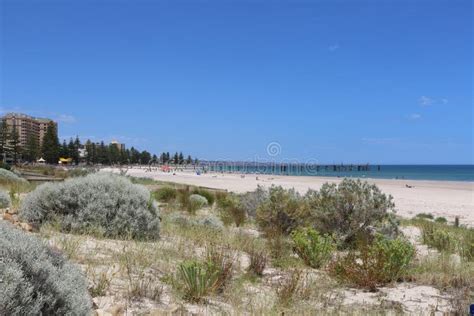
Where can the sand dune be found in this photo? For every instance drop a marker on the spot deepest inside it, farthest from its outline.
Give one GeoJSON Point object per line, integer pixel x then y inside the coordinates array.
{"type": "Point", "coordinates": [441, 198]}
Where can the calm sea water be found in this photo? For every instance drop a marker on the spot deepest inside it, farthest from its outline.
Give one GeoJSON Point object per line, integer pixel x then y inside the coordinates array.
{"type": "Point", "coordinates": [413, 172]}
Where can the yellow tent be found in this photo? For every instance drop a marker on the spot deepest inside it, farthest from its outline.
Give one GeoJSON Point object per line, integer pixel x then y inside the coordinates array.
{"type": "Point", "coordinates": [65, 161]}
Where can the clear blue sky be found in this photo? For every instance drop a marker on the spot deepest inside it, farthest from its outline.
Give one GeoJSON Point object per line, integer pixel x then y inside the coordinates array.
{"type": "Point", "coordinates": [332, 81]}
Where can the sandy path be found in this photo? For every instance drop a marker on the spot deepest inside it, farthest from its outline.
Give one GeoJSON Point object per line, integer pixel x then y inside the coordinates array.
{"type": "Point", "coordinates": [441, 198]}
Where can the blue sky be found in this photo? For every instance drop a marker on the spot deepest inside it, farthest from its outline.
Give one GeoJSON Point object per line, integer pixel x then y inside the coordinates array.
{"type": "Point", "coordinates": [329, 81]}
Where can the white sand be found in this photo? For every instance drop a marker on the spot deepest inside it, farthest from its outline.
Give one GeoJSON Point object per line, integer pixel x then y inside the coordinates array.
{"type": "Point", "coordinates": [441, 198]}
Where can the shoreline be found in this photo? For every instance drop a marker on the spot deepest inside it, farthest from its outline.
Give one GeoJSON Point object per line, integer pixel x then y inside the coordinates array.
{"type": "Point", "coordinates": [440, 198]}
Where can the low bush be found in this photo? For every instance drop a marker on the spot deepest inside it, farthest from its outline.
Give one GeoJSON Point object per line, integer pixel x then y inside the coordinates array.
{"type": "Point", "coordinates": [165, 194]}
{"type": "Point", "coordinates": [182, 197]}
{"type": "Point", "coordinates": [6, 176]}
{"type": "Point", "coordinates": [106, 203]}
{"type": "Point", "coordinates": [210, 221]}
{"type": "Point", "coordinates": [210, 197]}
{"type": "Point", "coordinates": [381, 262]}
{"type": "Point", "coordinates": [290, 287]}
{"type": "Point", "coordinates": [441, 220]}
{"type": "Point", "coordinates": [282, 212]}
{"type": "Point", "coordinates": [250, 201]}
{"type": "Point", "coordinates": [196, 280]}
{"type": "Point", "coordinates": [35, 280]}
{"type": "Point", "coordinates": [314, 249]}
{"type": "Point", "coordinates": [258, 261]}
{"type": "Point", "coordinates": [79, 172]}
{"type": "Point", "coordinates": [5, 166]}
{"type": "Point", "coordinates": [350, 210]}
{"type": "Point", "coordinates": [447, 238]}
{"type": "Point", "coordinates": [5, 200]}
{"type": "Point", "coordinates": [196, 202]}
{"type": "Point", "coordinates": [221, 259]}
{"type": "Point", "coordinates": [230, 210]}
{"type": "Point", "coordinates": [424, 216]}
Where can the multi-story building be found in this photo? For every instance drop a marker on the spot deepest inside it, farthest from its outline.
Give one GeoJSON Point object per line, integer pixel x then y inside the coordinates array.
{"type": "Point", "coordinates": [26, 125]}
{"type": "Point", "coordinates": [120, 146]}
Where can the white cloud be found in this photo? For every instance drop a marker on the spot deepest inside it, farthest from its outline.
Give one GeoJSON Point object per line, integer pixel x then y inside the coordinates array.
{"type": "Point", "coordinates": [445, 101]}
{"type": "Point", "coordinates": [426, 101]}
{"type": "Point", "coordinates": [414, 116]}
{"type": "Point", "coordinates": [333, 48]}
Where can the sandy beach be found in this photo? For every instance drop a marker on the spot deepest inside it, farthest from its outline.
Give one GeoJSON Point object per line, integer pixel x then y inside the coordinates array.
{"type": "Point", "coordinates": [441, 198]}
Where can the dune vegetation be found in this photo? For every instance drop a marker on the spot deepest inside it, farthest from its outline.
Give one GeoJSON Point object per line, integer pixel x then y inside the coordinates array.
{"type": "Point", "coordinates": [340, 249]}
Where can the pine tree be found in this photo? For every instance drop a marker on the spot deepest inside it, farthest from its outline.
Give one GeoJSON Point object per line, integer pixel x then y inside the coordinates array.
{"type": "Point", "coordinates": [145, 157]}
{"type": "Point", "coordinates": [176, 158]}
{"type": "Point", "coordinates": [114, 154]}
{"type": "Point", "coordinates": [181, 158]}
{"type": "Point", "coordinates": [189, 160]}
{"type": "Point", "coordinates": [32, 149]}
{"type": "Point", "coordinates": [71, 149]}
{"type": "Point", "coordinates": [77, 146]}
{"type": "Point", "coordinates": [4, 136]}
{"type": "Point", "coordinates": [89, 152]}
{"type": "Point", "coordinates": [64, 150]}
{"type": "Point", "coordinates": [15, 144]}
{"type": "Point", "coordinates": [50, 146]}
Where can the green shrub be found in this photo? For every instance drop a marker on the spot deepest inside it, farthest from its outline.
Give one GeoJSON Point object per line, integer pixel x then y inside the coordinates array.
{"type": "Point", "coordinates": [35, 280]}
{"type": "Point", "coordinates": [282, 212]}
{"type": "Point", "coordinates": [383, 261]}
{"type": "Point", "coordinates": [208, 221]}
{"type": "Point", "coordinates": [6, 176]}
{"type": "Point", "coordinates": [425, 216]}
{"type": "Point", "coordinates": [351, 209]}
{"type": "Point", "coordinates": [196, 202]}
{"type": "Point", "coordinates": [211, 222]}
{"type": "Point", "coordinates": [441, 220]}
{"type": "Point", "coordinates": [165, 194]}
{"type": "Point", "coordinates": [447, 238]}
{"type": "Point", "coordinates": [101, 202]}
{"type": "Point", "coordinates": [314, 249]}
{"type": "Point", "coordinates": [466, 246]}
{"type": "Point", "coordinates": [250, 201]}
{"type": "Point", "coordinates": [438, 237]}
{"type": "Point", "coordinates": [210, 197]}
{"type": "Point", "coordinates": [5, 200]}
{"type": "Point", "coordinates": [5, 166]}
{"type": "Point", "coordinates": [182, 197]}
{"type": "Point", "coordinates": [196, 280]}
{"type": "Point", "coordinates": [230, 210]}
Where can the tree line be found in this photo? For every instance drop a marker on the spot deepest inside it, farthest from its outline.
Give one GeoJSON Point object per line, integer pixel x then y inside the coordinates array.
{"type": "Point", "coordinates": [93, 153]}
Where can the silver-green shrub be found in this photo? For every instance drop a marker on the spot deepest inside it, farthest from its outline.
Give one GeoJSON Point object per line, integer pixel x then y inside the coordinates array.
{"type": "Point", "coordinates": [250, 201]}
{"type": "Point", "coordinates": [8, 176]}
{"type": "Point", "coordinates": [5, 200]}
{"type": "Point", "coordinates": [34, 280]}
{"type": "Point", "coordinates": [101, 202]}
{"type": "Point", "coordinates": [351, 210]}
{"type": "Point", "coordinates": [196, 202]}
{"type": "Point", "coordinates": [210, 221]}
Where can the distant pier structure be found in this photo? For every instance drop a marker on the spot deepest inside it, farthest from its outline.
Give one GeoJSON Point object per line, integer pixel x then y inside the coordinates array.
{"type": "Point", "coordinates": [286, 168]}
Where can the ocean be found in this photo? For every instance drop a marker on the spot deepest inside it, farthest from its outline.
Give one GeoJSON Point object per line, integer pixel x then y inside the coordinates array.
{"type": "Point", "coordinates": [410, 172]}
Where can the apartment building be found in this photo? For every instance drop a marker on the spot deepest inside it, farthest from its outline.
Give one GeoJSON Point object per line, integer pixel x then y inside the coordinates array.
{"type": "Point", "coordinates": [120, 146]}
{"type": "Point", "coordinates": [27, 125]}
